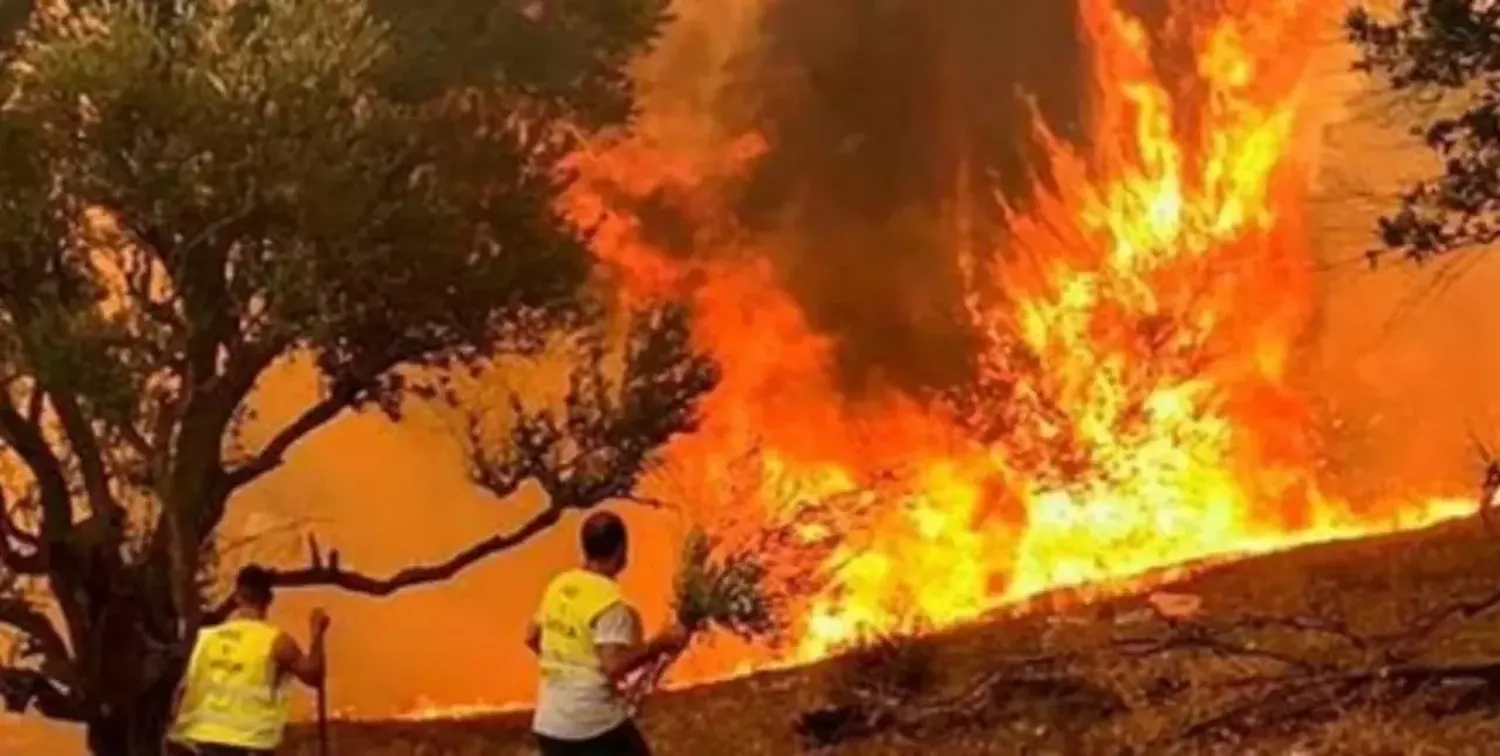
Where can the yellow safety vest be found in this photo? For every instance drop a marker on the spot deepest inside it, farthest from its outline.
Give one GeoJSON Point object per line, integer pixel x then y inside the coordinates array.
{"type": "Point", "coordinates": [572, 602]}
{"type": "Point", "coordinates": [233, 694]}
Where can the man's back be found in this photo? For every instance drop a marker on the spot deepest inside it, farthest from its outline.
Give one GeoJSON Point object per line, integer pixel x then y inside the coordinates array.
{"type": "Point", "coordinates": [234, 693]}
{"type": "Point", "coordinates": [579, 611]}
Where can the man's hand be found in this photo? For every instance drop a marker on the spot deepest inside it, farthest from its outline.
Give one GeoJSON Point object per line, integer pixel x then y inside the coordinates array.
{"type": "Point", "coordinates": [621, 661]}
{"type": "Point", "coordinates": [318, 622]}
{"type": "Point", "coordinates": [662, 652]}
{"type": "Point", "coordinates": [311, 667]}
{"type": "Point", "coordinates": [672, 639]}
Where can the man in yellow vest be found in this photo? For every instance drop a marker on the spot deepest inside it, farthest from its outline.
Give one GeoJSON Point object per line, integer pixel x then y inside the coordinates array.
{"type": "Point", "coordinates": [233, 698]}
{"type": "Point", "coordinates": [589, 642]}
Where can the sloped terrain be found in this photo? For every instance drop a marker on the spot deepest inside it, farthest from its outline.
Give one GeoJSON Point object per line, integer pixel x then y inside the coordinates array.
{"type": "Point", "coordinates": [1383, 646]}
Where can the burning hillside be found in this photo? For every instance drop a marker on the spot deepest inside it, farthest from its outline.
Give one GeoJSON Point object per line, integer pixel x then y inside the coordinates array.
{"type": "Point", "coordinates": [1129, 397]}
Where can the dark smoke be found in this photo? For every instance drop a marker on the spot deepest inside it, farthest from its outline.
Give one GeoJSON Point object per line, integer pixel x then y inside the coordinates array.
{"type": "Point", "coordinates": [885, 117]}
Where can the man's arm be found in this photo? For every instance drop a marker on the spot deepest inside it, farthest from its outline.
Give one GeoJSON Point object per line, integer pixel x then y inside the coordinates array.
{"type": "Point", "coordinates": [534, 637]}
{"type": "Point", "coordinates": [310, 667]}
{"type": "Point", "coordinates": [617, 636]}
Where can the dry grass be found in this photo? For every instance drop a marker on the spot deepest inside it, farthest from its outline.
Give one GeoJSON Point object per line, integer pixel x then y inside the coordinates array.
{"type": "Point", "coordinates": [1113, 679]}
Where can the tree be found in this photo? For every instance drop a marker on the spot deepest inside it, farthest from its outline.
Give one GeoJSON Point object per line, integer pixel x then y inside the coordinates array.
{"type": "Point", "coordinates": [193, 193]}
{"type": "Point", "coordinates": [1445, 53]}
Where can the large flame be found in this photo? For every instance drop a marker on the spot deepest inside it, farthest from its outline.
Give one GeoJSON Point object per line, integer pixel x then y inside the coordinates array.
{"type": "Point", "coordinates": [1135, 404]}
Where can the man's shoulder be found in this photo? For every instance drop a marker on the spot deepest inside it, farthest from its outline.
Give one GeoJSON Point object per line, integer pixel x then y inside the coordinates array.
{"type": "Point", "coordinates": [283, 644]}
{"type": "Point", "coordinates": [620, 609]}
{"type": "Point", "coordinates": [618, 623]}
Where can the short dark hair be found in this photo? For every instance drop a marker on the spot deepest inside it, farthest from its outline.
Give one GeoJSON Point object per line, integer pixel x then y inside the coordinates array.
{"type": "Point", "coordinates": [253, 585]}
{"type": "Point", "coordinates": [603, 535]}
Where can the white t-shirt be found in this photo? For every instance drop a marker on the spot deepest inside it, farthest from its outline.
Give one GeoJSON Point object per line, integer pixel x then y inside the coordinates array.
{"type": "Point", "coordinates": [579, 708]}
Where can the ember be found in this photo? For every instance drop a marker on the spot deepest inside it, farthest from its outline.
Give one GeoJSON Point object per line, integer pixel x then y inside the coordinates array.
{"type": "Point", "coordinates": [1134, 404]}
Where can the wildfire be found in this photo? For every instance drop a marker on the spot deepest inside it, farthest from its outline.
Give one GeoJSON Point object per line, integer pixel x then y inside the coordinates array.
{"type": "Point", "coordinates": [1135, 404]}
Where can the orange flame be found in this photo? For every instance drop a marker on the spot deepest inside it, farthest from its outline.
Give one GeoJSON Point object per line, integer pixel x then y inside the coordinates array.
{"type": "Point", "coordinates": [1135, 406]}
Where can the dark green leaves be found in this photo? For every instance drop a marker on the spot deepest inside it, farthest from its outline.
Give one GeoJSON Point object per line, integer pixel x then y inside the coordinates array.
{"type": "Point", "coordinates": [1447, 52]}
{"type": "Point", "coordinates": [570, 57]}
{"type": "Point", "coordinates": [256, 154]}
{"type": "Point", "coordinates": [621, 407]}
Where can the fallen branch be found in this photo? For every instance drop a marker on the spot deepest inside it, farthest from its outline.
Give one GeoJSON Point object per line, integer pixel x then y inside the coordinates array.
{"type": "Point", "coordinates": [1290, 698]}
{"type": "Point", "coordinates": [1202, 638]}
{"type": "Point", "coordinates": [1428, 624]}
{"type": "Point", "coordinates": [1336, 630]}
{"type": "Point", "coordinates": [1287, 690]}
{"type": "Point", "coordinates": [908, 717]}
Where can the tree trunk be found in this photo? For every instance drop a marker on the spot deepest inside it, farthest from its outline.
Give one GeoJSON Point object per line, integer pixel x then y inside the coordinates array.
{"type": "Point", "coordinates": [137, 731]}
{"type": "Point", "coordinates": [139, 665]}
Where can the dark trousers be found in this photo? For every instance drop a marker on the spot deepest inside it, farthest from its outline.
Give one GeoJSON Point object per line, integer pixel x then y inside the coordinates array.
{"type": "Point", "coordinates": [624, 740]}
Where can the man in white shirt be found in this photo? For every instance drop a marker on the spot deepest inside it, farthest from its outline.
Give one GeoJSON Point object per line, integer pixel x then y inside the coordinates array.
{"type": "Point", "coordinates": [589, 642]}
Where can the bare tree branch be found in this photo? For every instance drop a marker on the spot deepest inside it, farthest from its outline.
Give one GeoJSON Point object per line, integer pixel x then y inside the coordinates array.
{"type": "Point", "coordinates": [341, 397]}
{"type": "Point", "coordinates": [594, 451]}
{"type": "Point", "coordinates": [40, 636]}
{"type": "Point", "coordinates": [35, 403]}
{"type": "Point", "coordinates": [30, 563]}
{"type": "Point", "coordinates": [132, 436]}
{"type": "Point", "coordinates": [27, 440]}
{"type": "Point", "coordinates": [328, 572]}
{"type": "Point", "coordinates": [87, 450]}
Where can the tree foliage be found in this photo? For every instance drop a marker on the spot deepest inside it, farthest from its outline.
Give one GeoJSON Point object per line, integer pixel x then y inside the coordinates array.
{"type": "Point", "coordinates": [192, 193]}
{"type": "Point", "coordinates": [1445, 52]}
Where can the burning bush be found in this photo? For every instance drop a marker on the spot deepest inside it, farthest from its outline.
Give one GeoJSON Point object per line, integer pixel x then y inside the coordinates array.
{"type": "Point", "coordinates": [729, 590]}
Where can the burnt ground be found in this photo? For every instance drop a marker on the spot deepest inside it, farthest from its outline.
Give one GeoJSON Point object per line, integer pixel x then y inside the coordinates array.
{"type": "Point", "coordinates": [1383, 646]}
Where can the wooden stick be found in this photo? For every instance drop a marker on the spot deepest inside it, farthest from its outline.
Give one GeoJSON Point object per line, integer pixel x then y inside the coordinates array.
{"type": "Point", "coordinates": [323, 715]}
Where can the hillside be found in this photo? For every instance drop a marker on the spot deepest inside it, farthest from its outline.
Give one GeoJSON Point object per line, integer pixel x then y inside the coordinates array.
{"type": "Point", "coordinates": [1286, 654]}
